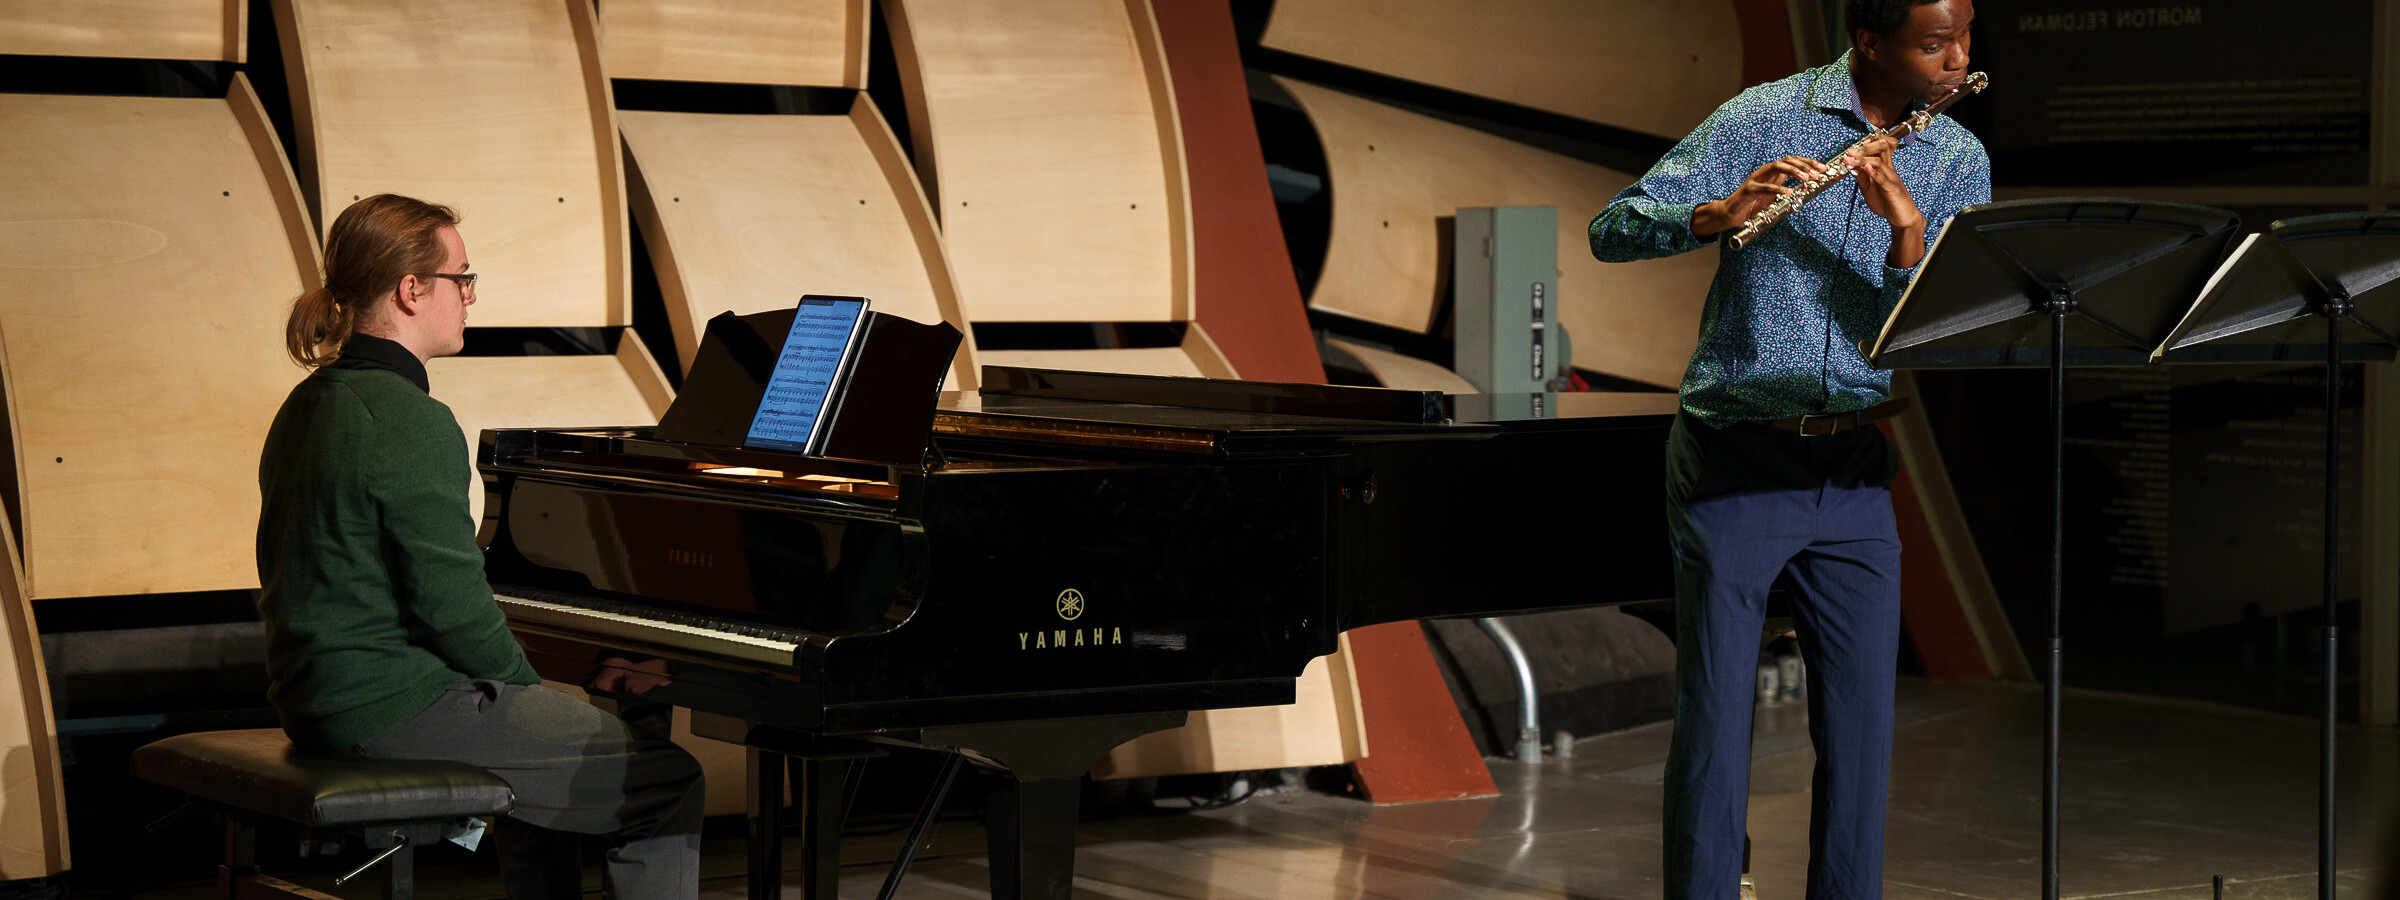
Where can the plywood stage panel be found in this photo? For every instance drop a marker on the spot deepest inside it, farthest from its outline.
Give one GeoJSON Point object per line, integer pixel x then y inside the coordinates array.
{"type": "Point", "coordinates": [1045, 131]}
{"type": "Point", "coordinates": [149, 251]}
{"type": "Point", "coordinates": [749, 213]}
{"type": "Point", "coordinates": [1654, 66]}
{"type": "Point", "coordinates": [1398, 177]}
{"type": "Point", "coordinates": [1196, 357]}
{"type": "Point", "coordinates": [1397, 370]}
{"type": "Point", "coordinates": [496, 107]}
{"type": "Point", "coordinates": [216, 30]}
{"type": "Point", "coordinates": [1320, 727]}
{"type": "Point", "coordinates": [820, 43]}
{"type": "Point", "coordinates": [33, 805]}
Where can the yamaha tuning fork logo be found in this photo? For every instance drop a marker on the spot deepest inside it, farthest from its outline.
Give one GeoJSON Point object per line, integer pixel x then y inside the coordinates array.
{"type": "Point", "coordinates": [1070, 606]}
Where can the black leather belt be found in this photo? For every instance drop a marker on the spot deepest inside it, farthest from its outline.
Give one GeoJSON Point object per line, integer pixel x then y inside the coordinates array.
{"type": "Point", "coordinates": [1828, 424]}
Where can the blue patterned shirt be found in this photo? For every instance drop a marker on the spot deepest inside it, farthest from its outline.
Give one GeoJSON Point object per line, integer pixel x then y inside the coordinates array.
{"type": "Point", "coordinates": [1786, 315]}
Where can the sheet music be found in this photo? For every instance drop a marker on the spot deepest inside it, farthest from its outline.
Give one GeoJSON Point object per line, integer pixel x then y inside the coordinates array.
{"type": "Point", "coordinates": [791, 413]}
{"type": "Point", "coordinates": [2185, 330]}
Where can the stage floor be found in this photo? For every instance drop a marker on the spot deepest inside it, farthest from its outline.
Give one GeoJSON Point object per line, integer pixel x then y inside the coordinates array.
{"type": "Point", "coordinates": [2159, 796]}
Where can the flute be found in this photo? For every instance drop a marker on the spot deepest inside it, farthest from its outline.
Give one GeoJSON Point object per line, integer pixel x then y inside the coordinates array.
{"type": "Point", "coordinates": [1836, 169]}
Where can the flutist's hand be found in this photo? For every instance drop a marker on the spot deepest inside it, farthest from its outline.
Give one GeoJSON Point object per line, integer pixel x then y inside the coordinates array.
{"type": "Point", "coordinates": [1879, 184]}
{"type": "Point", "coordinates": [1766, 183]}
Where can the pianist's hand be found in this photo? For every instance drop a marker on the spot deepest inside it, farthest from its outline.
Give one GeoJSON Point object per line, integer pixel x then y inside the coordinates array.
{"type": "Point", "coordinates": [618, 675]}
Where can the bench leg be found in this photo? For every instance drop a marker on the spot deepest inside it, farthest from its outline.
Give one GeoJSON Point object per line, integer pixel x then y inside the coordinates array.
{"type": "Point", "coordinates": [400, 875]}
{"type": "Point", "coordinates": [241, 856]}
{"type": "Point", "coordinates": [238, 877]}
{"type": "Point", "coordinates": [397, 861]}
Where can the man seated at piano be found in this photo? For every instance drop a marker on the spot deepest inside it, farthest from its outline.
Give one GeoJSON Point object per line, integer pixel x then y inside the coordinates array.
{"type": "Point", "coordinates": [383, 639]}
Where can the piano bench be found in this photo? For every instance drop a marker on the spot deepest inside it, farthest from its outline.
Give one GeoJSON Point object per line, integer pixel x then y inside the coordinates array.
{"type": "Point", "coordinates": [395, 805]}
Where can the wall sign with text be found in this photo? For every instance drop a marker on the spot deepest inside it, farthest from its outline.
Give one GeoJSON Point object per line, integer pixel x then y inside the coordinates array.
{"type": "Point", "coordinates": [2093, 92]}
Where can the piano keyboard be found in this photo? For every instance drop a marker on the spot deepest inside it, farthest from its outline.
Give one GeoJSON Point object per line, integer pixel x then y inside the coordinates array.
{"type": "Point", "coordinates": [601, 617]}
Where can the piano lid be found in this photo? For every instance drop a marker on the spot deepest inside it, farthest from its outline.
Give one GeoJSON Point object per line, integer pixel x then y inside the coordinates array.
{"type": "Point", "coordinates": [1161, 428]}
{"type": "Point", "coordinates": [1222, 416]}
{"type": "Point", "coordinates": [1520, 410]}
{"type": "Point", "coordinates": [1280, 397]}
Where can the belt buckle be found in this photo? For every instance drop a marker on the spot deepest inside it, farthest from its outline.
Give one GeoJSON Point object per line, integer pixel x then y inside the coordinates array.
{"type": "Point", "coordinates": [1832, 424]}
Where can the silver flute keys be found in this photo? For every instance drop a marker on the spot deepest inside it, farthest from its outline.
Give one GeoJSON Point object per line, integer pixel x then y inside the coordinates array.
{"type": "Point", "coordinates": [1836, 169]}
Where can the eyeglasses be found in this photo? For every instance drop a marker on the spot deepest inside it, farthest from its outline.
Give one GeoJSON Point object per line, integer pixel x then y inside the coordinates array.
{"type": "Point", "coordinates": [466, 282]}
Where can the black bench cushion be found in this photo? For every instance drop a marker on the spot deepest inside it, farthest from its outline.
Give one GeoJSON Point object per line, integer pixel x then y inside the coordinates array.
{"type": "Point", "coordinates": [258, 770]}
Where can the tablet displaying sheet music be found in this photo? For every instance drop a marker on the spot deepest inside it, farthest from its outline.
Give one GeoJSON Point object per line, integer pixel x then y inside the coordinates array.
{"type": "Point", "coordinates": [802, 392]}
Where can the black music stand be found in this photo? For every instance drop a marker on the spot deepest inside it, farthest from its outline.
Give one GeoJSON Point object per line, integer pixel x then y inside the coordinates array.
{"type": "Point", "coordinates": [2111, 276]}
{"type": "Point", "coordinates": [2286, 295]}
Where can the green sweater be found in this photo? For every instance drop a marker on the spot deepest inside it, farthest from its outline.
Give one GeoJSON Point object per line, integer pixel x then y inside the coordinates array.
{"type": "Point", "coordinates": [372, 586]}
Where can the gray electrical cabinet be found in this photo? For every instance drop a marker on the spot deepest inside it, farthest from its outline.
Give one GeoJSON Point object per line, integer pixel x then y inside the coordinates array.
{"type": "Point", "coordinates": [1504, 280]}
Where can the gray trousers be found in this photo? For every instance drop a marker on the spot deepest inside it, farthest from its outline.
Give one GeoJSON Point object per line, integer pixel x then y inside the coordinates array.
{"type": "Point", "coordinates": [576, 770]}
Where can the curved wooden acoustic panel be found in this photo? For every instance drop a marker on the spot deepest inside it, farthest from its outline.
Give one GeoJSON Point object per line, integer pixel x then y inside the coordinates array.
{"type": "Point", "coordinates": [1197, 357]}
{"type": "Point", "coordinates": [496, 107]}
{"type": "Point", "coordinates": [1397, 177]}
{"type": "Point", "coordinates": [33, 815]}
{"type": "Point", "coordinates": [821, 43]}
{"type": "Point", "coordinates": [1045, 130]}
{"type": "Point", "coordinates": [1320, 727]}
{"type": "Point", "coordinates": [624, 388]}
{"type": "Point", "coordinates": [216, 30]}
{"type": "Point", "coordinates": [149, 250]}
{"type": "Point", "coordinates": [748, 213]}
{"type": "Point", "coordinates": [1396, 370]}
{"type": "Point", "coordinates": [1655, 66]}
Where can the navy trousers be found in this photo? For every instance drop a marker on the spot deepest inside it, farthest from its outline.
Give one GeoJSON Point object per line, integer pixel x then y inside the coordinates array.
{"type": "Point", "coordinates": [1746, 505]}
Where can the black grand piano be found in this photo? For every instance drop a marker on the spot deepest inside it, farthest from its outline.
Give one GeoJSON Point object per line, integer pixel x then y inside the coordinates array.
{"type": "Point", "coordinates": [1076, 560]}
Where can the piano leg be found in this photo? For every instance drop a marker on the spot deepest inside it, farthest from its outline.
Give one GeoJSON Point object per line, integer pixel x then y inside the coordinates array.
{"type": "Point", "coordinates": [766, 769]}
{"type": "Point", "coordinates": [821, 794]}
{"type": "Point", "coordinates": [1032, 838]}
{"type": "Point", "coordinates": [1032, 825]}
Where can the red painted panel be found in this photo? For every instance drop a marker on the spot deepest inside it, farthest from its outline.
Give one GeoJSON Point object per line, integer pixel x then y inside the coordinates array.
{"type": "Point", "coordinates": [1249, 302]}
{"type": "Point", "coordinates": [1766, 40]}
{"type": "Point", "coordinates": [1246, 296]}
{"type": "Point", "coordinates": [1418, 748]}
{"type": "Point", "coordinates": [1930, 612]}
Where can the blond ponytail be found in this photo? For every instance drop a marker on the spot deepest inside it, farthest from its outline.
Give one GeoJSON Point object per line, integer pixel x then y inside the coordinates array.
{"type": "Point", "coordinates": [371, 245]}
{"type": "Point", "coordinates": [317, 328]}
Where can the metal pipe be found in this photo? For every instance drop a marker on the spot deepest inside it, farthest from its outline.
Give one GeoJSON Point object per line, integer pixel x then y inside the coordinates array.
{"type": "Point", "coordinates": [1529, 713]}
{"type": "Point", "coordinates": [2336, 309]}
{"type": "Point", "coordinates": [399, 843]}
{"type": "Point", "coordinates": [2061, 306]}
